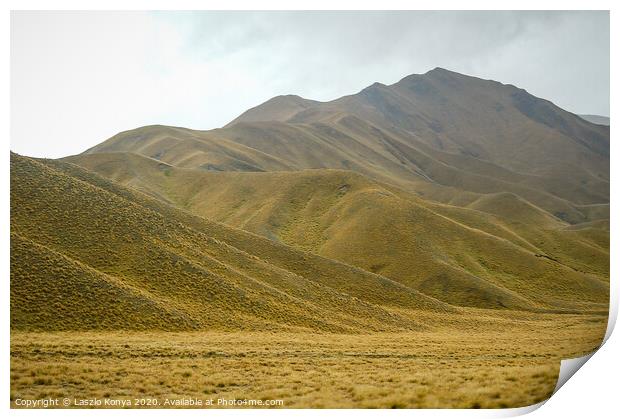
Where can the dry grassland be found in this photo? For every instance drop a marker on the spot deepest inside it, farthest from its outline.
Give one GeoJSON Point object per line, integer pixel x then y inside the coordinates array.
{"type": "Point", "coordinates": [493, 367]}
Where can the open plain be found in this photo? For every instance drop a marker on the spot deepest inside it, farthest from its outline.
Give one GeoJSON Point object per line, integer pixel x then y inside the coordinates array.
{"type": "Point", "coordinates": [511, 363]}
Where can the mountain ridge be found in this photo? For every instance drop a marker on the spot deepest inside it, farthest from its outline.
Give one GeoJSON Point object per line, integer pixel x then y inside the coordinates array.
{"type": "Point", "coordinates": [346, 134]}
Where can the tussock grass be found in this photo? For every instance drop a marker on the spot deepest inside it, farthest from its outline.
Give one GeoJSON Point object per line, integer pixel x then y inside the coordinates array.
{"type": "Point", "coordinates": [203, 274]}
{"type": "Point", "coordinates": [499, 252]}
{"type": "Point", "coordinates": [441, 368]}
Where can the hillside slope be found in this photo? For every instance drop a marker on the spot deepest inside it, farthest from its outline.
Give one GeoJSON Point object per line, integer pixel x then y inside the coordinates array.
{"type": "Point", "coordinates": [459, 255]}
{"type": "Point", "coordinates": [90, 254]}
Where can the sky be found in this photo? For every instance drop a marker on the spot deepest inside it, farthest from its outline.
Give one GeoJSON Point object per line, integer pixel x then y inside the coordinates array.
{"type": "Point", "coordinates": [78, 78]}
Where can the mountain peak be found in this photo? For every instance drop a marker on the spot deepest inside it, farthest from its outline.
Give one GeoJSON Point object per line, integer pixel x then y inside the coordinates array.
{"type": "Point", "coordinates": [440, 73]}
{"type": "Point", "coordinates": [376, 84]}
{"type": "Point", "coordinates": [373, 87]}
{"type": "Point", "coordinates": [437, 74]}
{"type": "Point", "coordinates": [279, 108]}
{"type": "Point", "coordinates": [295, 98]}
{"type": "Point", "coordinates": [439, 70]}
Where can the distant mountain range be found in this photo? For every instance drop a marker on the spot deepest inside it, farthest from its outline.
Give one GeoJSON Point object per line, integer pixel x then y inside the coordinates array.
{"type": "Point", "coordinates": [439, 192]}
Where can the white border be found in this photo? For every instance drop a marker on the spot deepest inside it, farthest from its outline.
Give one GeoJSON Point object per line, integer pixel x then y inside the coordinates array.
{"type": "Point", "coordinates": [591, 393]}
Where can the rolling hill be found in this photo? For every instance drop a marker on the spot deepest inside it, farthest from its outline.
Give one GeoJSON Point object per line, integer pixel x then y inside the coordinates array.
{"type": "Point", "coordinates": [462, 256]}
{"type": "Point", "coordinates": [89, 254]}
{"type": "Point", "coordinates": [383, 210]}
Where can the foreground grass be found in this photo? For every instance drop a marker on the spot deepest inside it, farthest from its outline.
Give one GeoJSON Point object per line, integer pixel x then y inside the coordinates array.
{"type": "Point", "coordinates": [491, 368]}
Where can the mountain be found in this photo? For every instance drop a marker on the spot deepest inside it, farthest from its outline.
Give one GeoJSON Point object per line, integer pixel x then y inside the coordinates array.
{"type": "Point", "coordinates": [383, 210]}
{"type": "Point", "coordinates": [442, 134]}
{"type": "Point", "coordinates": [87, 253]}
{"type": "Point", "coordinates": [596, 119]}
{"type": "Point", "coordinates": [481, 118]}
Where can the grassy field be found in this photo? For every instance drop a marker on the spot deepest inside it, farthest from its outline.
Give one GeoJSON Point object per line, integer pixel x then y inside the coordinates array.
{"type": "Point", "coordinates": [492, 363]}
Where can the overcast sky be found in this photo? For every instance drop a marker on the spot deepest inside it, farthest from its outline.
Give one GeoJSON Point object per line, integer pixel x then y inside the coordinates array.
{"type": "Point", "coordinates": [77, 78]}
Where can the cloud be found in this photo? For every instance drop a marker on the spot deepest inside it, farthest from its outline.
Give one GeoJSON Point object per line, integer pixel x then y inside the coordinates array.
{"type": "Point", "coordinates": [80, 77]}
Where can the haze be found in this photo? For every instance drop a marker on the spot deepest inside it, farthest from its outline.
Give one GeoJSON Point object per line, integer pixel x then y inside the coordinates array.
{"type": "Point", "coordinates": [78, 78]}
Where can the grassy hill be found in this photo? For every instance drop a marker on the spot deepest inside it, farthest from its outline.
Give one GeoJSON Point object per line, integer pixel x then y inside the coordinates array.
{"type": "Point", "coordinates": [469, 117]}
{"type": "Point", "coordinates": [442, 134]}
{"type": "Point", "coordinates": [89, 254]}
{"type": "Point", "coordinates": [439, 191]}
{"type": "Point", "coordinates": [472, 256]}
{"type": "Point", "coordinates": [481, 118]}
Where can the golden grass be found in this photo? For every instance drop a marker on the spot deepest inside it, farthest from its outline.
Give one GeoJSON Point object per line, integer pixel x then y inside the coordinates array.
{"type": "Point", "coordinates": [91, 242]}
{"type": "Point", "coordinates": [492, 367]}
{"type": "Point", "coordinates": [501, 253]}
